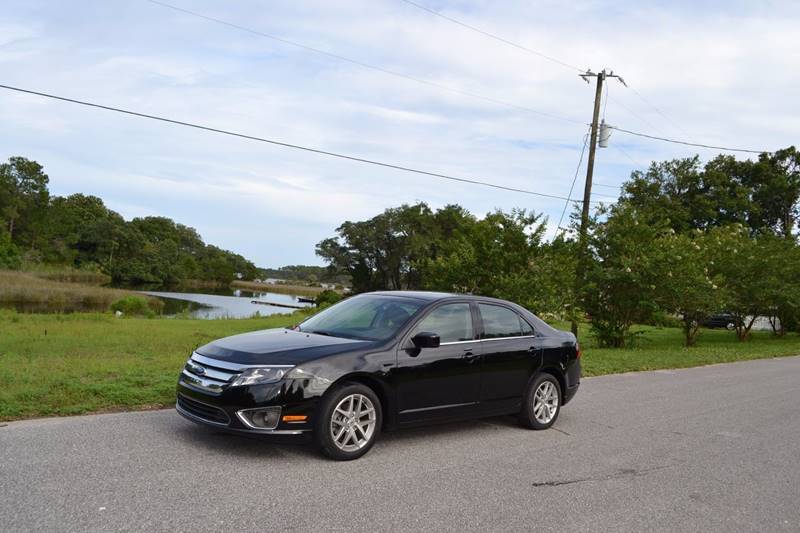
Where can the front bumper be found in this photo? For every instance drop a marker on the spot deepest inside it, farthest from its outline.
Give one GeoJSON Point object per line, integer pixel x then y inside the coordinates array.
{"type": "Point", "coordinates": [232, 428]}
{"type": "Point", "coordinates": [219, 410]}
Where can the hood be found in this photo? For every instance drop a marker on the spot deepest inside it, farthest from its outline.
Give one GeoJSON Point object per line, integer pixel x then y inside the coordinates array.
{"type": "Point", "coordinates": [278, 347]}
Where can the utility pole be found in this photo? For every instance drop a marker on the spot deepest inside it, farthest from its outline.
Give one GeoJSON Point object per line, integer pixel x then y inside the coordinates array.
{"type": "Point", "coordinates": [587, 189]}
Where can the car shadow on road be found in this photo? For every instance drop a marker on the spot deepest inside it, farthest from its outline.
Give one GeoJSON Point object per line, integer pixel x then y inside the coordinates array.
{"type": "Point", "coordinates": [265, 447]}
{"type": "Point", "coordinates": [446, 430]}
{"type": "Point", "coordinates": [217, 441]}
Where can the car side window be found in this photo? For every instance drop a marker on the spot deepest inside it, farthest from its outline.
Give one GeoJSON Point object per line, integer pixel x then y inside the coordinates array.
{"type": "Point", "coordinates": [452, 322]}
{"type": "Point", "coordinates": [499, 322]}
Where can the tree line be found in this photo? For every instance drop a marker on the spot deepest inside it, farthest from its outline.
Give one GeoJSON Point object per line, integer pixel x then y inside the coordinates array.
{"type": "Point", "coordinates": [685, 241]}
{"type": "Point", "coordinates": [304, 273]}
{"type": "Point", "coordinates": [80, 231]}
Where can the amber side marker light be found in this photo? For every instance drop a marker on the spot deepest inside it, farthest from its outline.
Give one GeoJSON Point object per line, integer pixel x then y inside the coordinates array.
{"type": "Point", "coordinates": [294, 418]}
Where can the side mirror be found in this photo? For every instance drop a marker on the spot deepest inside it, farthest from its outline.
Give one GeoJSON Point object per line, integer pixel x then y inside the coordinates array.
{"type": "Point", "coordinates": [426, 339]}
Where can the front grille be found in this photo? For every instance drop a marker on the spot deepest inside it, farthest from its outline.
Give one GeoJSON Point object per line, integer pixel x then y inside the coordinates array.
{"type": "Point", "coordinates": [203, 410]}
{"type": "Point", "coordinates": [209, 375]}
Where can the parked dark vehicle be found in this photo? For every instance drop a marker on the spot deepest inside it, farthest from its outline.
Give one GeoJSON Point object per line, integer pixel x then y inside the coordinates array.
{"type": "Point", "coordinates": [721, 320]}
{"type": "Point", "coordinates": [380, 361]}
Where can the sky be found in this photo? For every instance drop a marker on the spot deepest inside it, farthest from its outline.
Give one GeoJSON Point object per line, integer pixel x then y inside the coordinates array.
{"type": "Point", "coordinates": [721, 73]}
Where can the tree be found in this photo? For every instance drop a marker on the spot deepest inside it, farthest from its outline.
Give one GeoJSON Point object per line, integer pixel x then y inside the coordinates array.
{"type": "Point", "coordinates": [775, 183]}
{"type": "Point", "coordinates": [9, 254]}
{"type": "Point", "coordinates": [743, 261]}
{"type": "Point", "coordinates": [685, 285]}
{"type": "Point", "coordinates": [382, 252]}
{"type": "Point", "coordinates": [495, 256]}
{"type": "Point", "coordinates": [621, 280]}
{"type": "Point", "coordinates": [781, 259]}
{"type": "Point", "coordinates": [23, 194]}
{"type": "Point", "coordinates": [761, 195]}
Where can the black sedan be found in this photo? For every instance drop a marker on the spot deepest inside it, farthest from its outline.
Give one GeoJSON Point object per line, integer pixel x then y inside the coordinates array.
{"type": "Point", "coordinates": [722, 320]}
{"type": "Point", "coordinates": [381, 361]}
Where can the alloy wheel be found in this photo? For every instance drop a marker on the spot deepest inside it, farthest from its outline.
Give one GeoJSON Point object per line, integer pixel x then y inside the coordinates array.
{"type": "Point", "coordinates": [353, 422]}
{"type": "Point", "coordinates": [545, 402]}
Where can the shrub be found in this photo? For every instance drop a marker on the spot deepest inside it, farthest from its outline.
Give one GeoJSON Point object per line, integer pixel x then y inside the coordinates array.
{"type": "Point", "coordinates": [137, 306]}
{"type": "Point", "coordinates": [327, 298]}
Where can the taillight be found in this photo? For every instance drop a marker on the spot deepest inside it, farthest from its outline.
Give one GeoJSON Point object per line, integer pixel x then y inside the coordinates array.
{"type": "Point", "coordinates": [577, 351]}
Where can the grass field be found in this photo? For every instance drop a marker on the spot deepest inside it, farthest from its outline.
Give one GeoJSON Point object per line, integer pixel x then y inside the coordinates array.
{"type": "Point", "coordinates": [79, 363]}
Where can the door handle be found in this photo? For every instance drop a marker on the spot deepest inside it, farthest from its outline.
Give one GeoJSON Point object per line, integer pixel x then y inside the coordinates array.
{"type": "Point", "coordinates": [469, 355]}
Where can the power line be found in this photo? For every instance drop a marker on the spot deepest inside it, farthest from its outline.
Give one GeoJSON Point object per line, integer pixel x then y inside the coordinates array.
{"type": "Point", "coordinates": [637, 115]}
{"type": "Point", "coordinates": [646, 101]}
{"type": "Point", "coordinates": [571, 187]}
{"type": "Point", "coordinates": [366, 65]}
{"type": "Point", "coordinates": [285, 144]}
{"type": "Point", "coordinates": [562, 63]}
{"type": "Point", "coordinates": [689, 143]}
{"type": "Point", "coordinates": [493, 36]}
{"type": "Point", "coordinates": [604, 195]}
{"type": "Point", "coordinates": [626, 154]}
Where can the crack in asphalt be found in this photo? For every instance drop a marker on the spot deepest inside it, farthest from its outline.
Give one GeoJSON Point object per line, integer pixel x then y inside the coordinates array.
{"type": "Point", "coordinates": [621, 473]}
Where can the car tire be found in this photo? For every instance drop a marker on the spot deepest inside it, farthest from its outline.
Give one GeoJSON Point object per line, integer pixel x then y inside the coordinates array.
{"type": "Point", "coordinates": [348, 422]}
{"type": "Point", "coordinates": [542, 402]}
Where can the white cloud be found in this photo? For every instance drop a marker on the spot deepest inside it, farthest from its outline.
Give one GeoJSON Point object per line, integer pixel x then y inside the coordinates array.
{"type": "Point", "coordinates": [724, 72]}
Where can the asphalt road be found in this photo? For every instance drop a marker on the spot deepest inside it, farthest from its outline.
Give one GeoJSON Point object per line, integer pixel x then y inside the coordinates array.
{"type": "Point", "coordinates": [705, 449]}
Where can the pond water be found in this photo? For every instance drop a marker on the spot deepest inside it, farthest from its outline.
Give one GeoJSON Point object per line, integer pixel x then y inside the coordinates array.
{"type": "Point", "coordinates": [236, 304]}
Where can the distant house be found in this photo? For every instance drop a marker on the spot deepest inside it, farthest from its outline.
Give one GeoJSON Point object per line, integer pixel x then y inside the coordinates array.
{"type": "Point", "coordinates": [328, 286]}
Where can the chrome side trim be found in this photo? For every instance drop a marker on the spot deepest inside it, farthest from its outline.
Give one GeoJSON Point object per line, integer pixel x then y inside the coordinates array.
{"type": "Point", "coordinates": [420, 409]}
{"type": "Point", "coordinates": [226, 365]}
{"type": "Point", "coordinates": [509, 338]}
{"type": "Point", "coordinates": [492, 339]}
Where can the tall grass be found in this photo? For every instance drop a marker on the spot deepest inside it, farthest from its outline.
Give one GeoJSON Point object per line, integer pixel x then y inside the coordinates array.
{"type": "Point", "coordinates": [32, 292]}
{"type": "Point", "coordinates": [67, 274]}
{"type": "Point", "coordinates": [278, 288]}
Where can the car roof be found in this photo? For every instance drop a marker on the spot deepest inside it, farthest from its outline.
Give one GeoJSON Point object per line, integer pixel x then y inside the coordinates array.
{"type": "Point", "coordinates": [428, 296]}
{"type": "Point", "coordinates": [432, 296]}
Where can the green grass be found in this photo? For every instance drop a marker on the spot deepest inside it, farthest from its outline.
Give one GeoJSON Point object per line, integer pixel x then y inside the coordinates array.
{"type": "Point", "coordinates": [80, 363]}
{"type": "Point", "coordinates": [660, 348]}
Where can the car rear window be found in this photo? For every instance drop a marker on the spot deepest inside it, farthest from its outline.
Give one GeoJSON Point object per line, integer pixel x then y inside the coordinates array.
{"type": "Point", "coordinates": [499, 322]}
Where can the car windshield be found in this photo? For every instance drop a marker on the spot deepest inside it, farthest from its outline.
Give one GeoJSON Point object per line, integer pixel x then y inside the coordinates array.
{"type": "Point", "coordinates": [367, 317]}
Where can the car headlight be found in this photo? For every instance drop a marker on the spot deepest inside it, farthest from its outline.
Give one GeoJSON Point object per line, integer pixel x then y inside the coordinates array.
{"type": "Point", "coordinates": [261, 375]}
